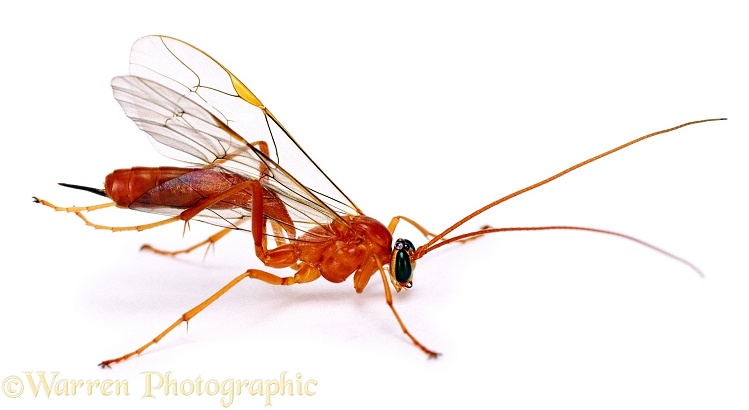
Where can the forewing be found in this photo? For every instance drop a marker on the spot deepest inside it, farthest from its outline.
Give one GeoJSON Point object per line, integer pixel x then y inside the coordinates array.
{"type": "Point", "coordinates": [182, 129]}
{"type": "Point", "coordinates": [195, 75]}
{"type": "Point", "coordinates": [196, 111]}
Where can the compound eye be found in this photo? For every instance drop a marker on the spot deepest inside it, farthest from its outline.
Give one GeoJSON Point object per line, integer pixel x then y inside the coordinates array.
{"type": "Point", "coordinates": [400, 263]}
{"type": "Point", "coordinates": [402, 266]}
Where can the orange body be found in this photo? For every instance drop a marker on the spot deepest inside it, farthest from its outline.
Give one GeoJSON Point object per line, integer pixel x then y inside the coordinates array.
{"type": "Point", "coordinates": [333, 251]}
{"type": "Point", "coordinates": [338, 250]}
{"type": "Point", "coordinates": [194, 110]}
{"type": "Point", "coordinates": [142, 188]}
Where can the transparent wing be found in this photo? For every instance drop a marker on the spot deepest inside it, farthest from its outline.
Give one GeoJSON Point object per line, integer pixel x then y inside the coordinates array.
{"type": "Point", "coordinates": [196, 111]}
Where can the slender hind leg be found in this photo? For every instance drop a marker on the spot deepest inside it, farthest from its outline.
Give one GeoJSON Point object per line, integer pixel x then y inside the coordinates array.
{"type": "Point", "coordinates": [77, 210]}
{"type": "Point", "coordinates": [282, 256]}
{"type": "Point", "coordinates": [185, 216]}
{"type": "Point", "coordinates": [208, 242]}
{"type": "Point", "coordinates": [72, 208]}
{"type": "Point", "coordinates": [304, 275]}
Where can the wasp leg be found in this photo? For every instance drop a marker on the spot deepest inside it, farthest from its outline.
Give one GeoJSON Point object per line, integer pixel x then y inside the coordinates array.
{"type": "Point", "coordinates": [396, 219]}
{"type": "Point", "coordinates": [304, 275]}
{"type": "Point", "coordinates": [389, 300]}
{"type": "Point", "coordinates": [72, 208]}
{"type": "Point", "coordinates": [77, 210]}
{"type": "Point", "coordinates": [209, 242]}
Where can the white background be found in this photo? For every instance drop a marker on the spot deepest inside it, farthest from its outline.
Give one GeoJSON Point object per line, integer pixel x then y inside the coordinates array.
{"type": "Point", "coordinates": [420, 109]}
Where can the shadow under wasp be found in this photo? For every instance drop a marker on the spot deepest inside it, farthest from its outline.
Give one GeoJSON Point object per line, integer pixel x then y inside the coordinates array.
{"type": "Point", "coordinates": [196, 111]}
